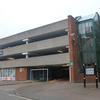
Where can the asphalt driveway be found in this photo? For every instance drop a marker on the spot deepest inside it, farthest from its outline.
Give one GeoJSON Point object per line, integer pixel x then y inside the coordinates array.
{"type": "Point", "coordinates": [59, 90]}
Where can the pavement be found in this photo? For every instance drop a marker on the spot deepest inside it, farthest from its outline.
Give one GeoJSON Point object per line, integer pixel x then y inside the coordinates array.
{"type": "Point", "coordinates": [7, 89]}
{"type": "Point", "coordinates": [52, 90]}
{"type": "Point", "coordinates": [6, 96]}
{"type": "Point", "coordinates": [59, 90]}
{"type": "Point", "coordinates": [4, 82]}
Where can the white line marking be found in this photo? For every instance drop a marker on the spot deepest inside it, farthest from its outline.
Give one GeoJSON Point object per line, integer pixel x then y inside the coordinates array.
{"type": "Point", "coordinates": [19, 97]}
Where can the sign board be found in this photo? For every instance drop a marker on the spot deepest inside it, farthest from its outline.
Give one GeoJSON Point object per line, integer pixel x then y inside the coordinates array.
{"type": "Point", "coordinates": [89, 71]}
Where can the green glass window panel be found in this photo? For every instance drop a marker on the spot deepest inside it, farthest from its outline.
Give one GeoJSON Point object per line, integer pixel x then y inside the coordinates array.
{"type": "Point", "coordinates": [87, 42]}
{"type": "Point", "coordinates": [97, 39]}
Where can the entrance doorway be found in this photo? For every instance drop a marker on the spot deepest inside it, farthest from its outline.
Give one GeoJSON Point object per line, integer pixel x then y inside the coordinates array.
{"type": "Point", "coordinates": [39, 74]}
{"type": "Point", "coordinates": [59, 73]}
{"type": "Point", "coordinates": [50, 73]}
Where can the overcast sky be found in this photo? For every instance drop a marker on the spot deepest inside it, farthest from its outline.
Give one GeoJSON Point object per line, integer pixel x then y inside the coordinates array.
{"type": "Point", "coordinates": [20, 15]}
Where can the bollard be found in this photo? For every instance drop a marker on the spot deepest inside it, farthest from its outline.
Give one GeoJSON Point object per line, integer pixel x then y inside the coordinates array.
{"type": "Point", "coordinates": [84, 82]}
{"type": "Point", "coordinates": [96, 82]}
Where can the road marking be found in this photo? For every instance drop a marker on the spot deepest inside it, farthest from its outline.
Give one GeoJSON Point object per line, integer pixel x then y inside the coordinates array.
{"type": "Point", "coordinates": [19, 97]}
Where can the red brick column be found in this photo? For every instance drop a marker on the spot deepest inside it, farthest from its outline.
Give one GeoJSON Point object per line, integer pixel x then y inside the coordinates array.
{"type": "Point", "coordinates": [21, 74]}
{"type": "Point", "coordinates": [73, 48]}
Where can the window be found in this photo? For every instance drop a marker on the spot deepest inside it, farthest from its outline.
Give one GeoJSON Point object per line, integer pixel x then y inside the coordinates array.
{"type": "Point", "coordinates": [88, 27]}
{"type": "Point", "coordinates": [85, 27]}
{"type": "Point", "coordinates": [7, 74]}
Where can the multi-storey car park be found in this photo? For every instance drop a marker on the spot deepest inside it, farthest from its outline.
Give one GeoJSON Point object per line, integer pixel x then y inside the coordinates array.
{"type": "Point", "coordinates": [54, 51]}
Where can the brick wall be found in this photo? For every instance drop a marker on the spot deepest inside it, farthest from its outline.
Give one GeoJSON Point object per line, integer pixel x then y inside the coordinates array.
{"type": "Point", "coordinates": [21, 74]}
{"type": "Point", "coordinates": [73, 48]}
{"type": "Point", "coordinates": [76, 76]}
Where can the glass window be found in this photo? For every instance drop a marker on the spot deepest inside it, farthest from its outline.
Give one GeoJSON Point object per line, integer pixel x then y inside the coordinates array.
{"type": "Point", "coordinates": [88, 27]}
{"type": "Point", "coordinates": [80, 28]}
{"type": "Point", "coordinates": [7, 74]}
{"type": "Point", "coordinates": [87, 42]}
{"type": "Point", "coordinates": [83, 28]}
{"type": "Point", "coordinates": [91, 26]}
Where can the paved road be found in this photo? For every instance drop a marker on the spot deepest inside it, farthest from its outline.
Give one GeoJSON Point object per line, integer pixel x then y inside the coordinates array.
{"type": "Point", "coordinates": [50, 91]}
{"type": "Point", "coordinates": [60, 91]}
{"type": "Point", "coordinates": [6, 96]}
{"type": "Point", "coordinates": [7, 92]}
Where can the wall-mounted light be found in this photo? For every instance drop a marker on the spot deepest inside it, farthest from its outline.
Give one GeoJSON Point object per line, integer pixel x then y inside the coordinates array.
{"type": "Point", "coordinates": [26, 54]}
{"type": "Point", "coordinates": [65, 65]}
{"type": "Point", "coordinates": [60, 51]}
{"type": "Point", "coordinates": [25, 40]}
{"type": "Point", "coordinates": [67, 46]}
